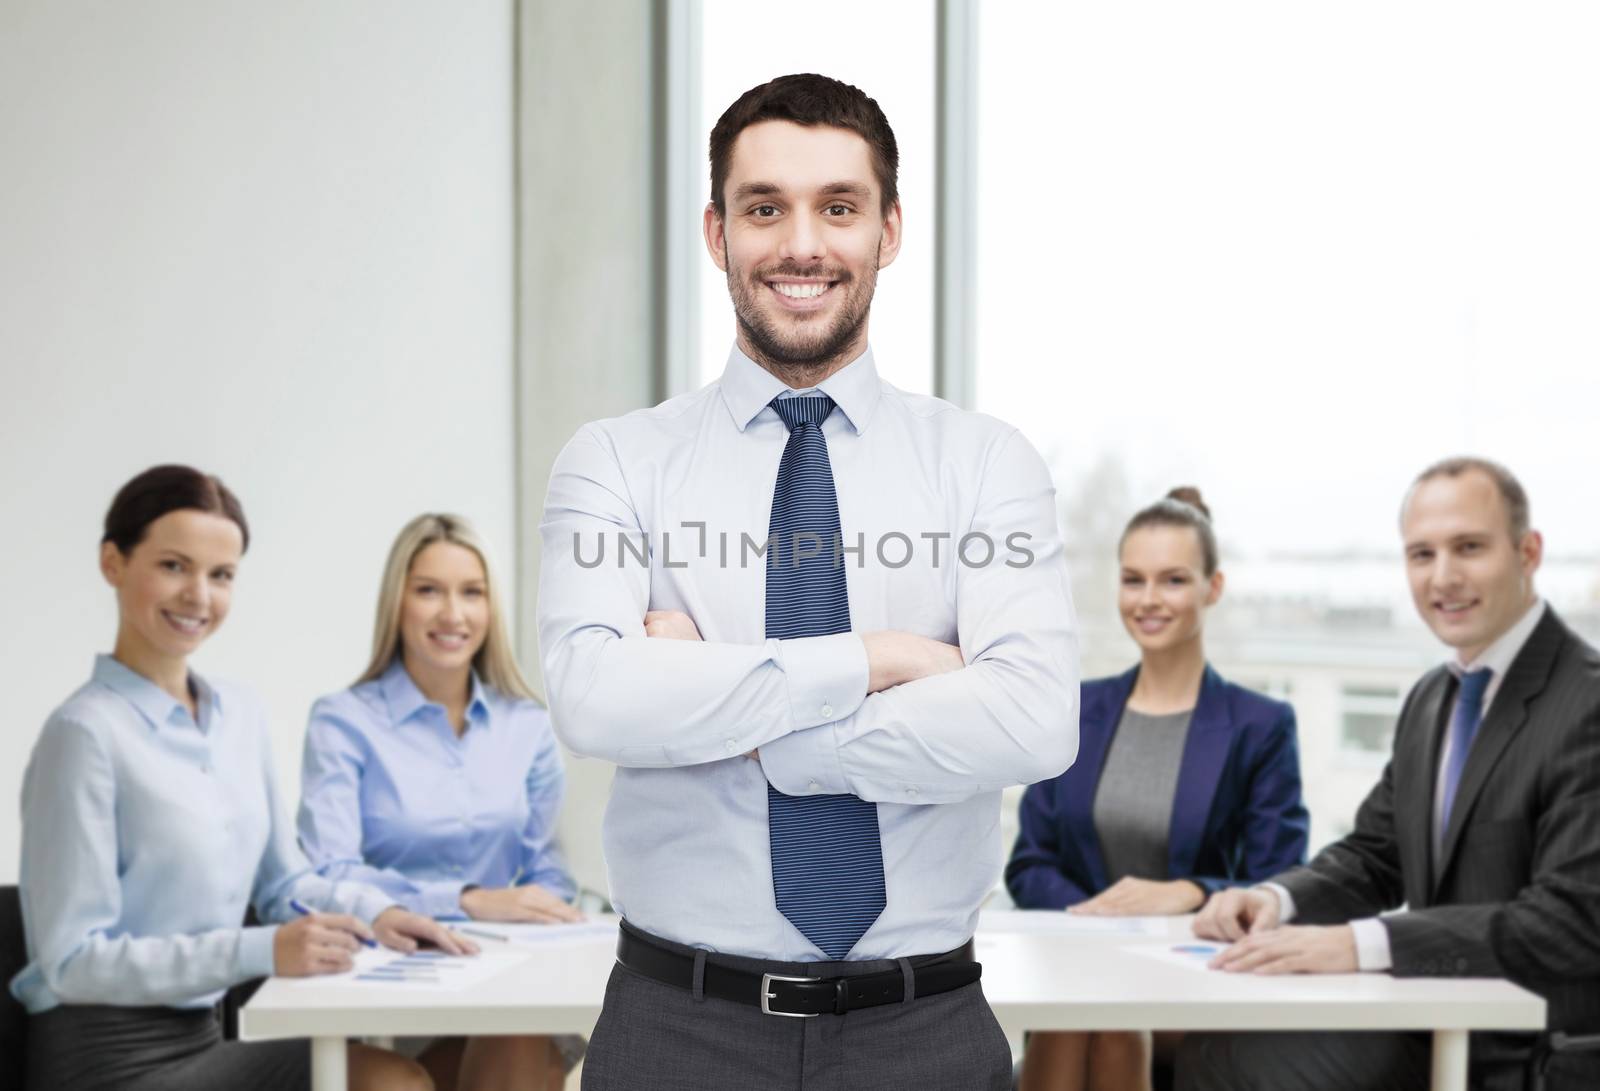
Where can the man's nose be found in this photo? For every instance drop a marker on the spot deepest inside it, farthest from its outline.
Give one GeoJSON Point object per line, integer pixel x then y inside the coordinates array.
{"type": "Point", "coordinates": [804, 241]}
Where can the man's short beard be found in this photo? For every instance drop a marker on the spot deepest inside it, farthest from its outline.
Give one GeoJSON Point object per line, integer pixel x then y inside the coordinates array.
{"type": "Point", "coordinates": [769, 345]}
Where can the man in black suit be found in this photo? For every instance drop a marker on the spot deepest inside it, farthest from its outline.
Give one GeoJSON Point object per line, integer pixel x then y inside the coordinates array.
{"type": "Point", "coordinates": [1485, 824]}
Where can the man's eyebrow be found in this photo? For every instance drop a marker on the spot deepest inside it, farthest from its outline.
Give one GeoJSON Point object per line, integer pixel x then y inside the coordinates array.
{"type": "Point", "coordinates": [846, 189]}
{"type": "Point", "coordinates": [756, 189]}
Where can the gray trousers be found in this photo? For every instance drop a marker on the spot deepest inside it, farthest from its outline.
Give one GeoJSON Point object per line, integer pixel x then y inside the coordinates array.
{"type": "Point", "coordinates": [655, 1037]}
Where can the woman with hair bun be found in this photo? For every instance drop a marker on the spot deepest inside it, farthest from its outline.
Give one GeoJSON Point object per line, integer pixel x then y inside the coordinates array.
{"type": "Point", "coordinates": [437, 778]}
{"type": "Point", "coordinates": [151, 821]}
{"type": "Point", "coordinates": [1185, 783]}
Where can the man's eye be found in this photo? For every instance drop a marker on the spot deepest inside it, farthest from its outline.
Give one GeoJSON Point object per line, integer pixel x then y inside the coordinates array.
{"type": "Point", "coordinates": [839, 210]}
{"type": "Point", "coordinates": [172, 566]}
{"type": "Point", "coordinates": [765, 212]}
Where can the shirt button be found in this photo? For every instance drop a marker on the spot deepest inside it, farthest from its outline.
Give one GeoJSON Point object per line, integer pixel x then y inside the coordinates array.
{"type": "Point", "coordinates": [827, 712]}
{"type": "Point", "coordinates": [912, 792]}
{"type": "Point", "coordinates": [731, 745]}
{"type": "Point", "coordinates": [815, 786]}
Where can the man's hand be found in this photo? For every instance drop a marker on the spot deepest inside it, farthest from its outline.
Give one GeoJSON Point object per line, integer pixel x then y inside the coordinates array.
{"type": "Point", "coordinates": [1132, 897]}
{"type": "Point", "coordinates": [894, 658]}
{"type": "Point", "coordinates": [1233, 914]}
{"type": "Point", "coordinates": [404, 930]}
{"type": "Point", "coordinates": [1296, 949]}
{"type": "Point", "coordinates": [518, 903]}
{"type": "Point", "coordinates": [322, 943]}
{"type": "Point", "coordinates": [670, 625]}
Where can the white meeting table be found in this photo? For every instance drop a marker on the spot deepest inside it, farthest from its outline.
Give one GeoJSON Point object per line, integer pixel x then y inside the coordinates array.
{"type": "Point", "coordinates": [1034, 980]}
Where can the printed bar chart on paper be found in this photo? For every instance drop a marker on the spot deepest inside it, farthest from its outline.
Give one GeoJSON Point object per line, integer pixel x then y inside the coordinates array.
{"type": "Point", "coordinates": [420, 970]}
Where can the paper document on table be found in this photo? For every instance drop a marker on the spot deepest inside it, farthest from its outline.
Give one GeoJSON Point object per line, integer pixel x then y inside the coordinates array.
{"type": "Point", "coordinates": [420, 971]}
{"type": "Point", "coordinates": [1044, 922]}
{"type": "Point", "coordinates": [1193, 955]}
{"type": "Point", "coordinates": [579, 934]}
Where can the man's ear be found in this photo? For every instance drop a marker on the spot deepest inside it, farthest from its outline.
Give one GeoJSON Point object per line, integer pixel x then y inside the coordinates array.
{"type": "Point", "coordinates": [1530, 553]}
{"type": "Point", "coordinates": [889, 241]}
{"type": "Point", "coordinates": [716, 237]}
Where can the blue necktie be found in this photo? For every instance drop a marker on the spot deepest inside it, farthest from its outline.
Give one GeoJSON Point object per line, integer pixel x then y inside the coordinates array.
{"type": "Point", "coordinates": [1463, 726]}
{"type": "Point", "coordinates": [827, 859]}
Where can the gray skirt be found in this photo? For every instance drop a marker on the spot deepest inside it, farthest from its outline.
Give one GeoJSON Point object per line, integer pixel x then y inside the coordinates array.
{"type": "Point", "coordinates": [90, 1047]}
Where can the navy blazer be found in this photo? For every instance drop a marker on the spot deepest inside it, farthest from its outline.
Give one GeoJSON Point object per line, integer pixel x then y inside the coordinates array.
{"type": "Point", "coordinates": [1237, 815]}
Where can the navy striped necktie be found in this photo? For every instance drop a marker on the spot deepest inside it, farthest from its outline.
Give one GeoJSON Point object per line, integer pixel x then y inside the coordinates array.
{"type": "Point", "coordinates": [1463, 729]}
{"type": "Point", "coordinates": [827, 858]}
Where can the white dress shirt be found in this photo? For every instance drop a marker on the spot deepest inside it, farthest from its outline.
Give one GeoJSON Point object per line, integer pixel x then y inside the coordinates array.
{"type": "Point", "coordinates": [1372, 938]}
{"type": "Point", "coordinates": [686, 837]}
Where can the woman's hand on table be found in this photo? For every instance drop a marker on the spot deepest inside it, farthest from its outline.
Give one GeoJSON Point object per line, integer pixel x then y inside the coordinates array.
{"type": "Point", "coordinates": [1132, 897]}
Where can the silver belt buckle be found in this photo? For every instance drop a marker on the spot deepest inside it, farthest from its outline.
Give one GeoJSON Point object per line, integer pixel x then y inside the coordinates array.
{"type": "Point", "coordinates": [766, 997]}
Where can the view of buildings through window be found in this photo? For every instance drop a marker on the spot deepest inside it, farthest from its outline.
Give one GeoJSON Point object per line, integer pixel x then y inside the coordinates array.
{"type": "Point", "coordinates": [1288, 255]}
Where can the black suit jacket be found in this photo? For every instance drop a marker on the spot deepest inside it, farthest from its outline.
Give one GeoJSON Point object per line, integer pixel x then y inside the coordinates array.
{"type": "Point", "coordinates": [1515, 892]}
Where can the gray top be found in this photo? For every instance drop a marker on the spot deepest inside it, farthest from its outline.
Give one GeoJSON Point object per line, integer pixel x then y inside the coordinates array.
{"type": "Point", "coordinates": [1133, 803]}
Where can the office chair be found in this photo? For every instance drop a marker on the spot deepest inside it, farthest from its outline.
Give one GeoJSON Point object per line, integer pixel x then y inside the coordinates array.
{"type": "Point", "coordinates": [13, 1016]}
{"type": "Point", "coordinates": [1549, 1046]}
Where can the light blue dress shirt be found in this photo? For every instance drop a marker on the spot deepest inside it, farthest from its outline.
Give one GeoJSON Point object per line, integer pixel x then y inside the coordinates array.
{"type": "Point", "coordinates": [392, 797]}
{"type": "Point", "coordinates": [144, 837]}
{"type": "Point", "coordinates": [686, 835]}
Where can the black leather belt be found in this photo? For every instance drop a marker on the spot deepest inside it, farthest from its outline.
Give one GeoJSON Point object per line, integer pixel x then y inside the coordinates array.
{"type": "Point", "coordinates": [800, 997]}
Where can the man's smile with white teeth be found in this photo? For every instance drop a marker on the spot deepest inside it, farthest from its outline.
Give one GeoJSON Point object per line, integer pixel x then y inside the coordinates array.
{"type": "Point", "coordinates": [800, 289]}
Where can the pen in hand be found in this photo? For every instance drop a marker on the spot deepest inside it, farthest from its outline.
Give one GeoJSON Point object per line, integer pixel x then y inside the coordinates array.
{"type": "Point", "coordinates": [300, 908]}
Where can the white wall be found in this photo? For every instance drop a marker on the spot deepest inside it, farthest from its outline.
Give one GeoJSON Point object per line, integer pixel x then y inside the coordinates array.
{"type": "Point", "coordinates": [271, 240]}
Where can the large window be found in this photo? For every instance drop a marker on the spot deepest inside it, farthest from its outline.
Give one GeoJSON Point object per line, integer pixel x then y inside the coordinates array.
{"type": "Point", "coordinates": [1291, 254]}
{"type": "Point", "coordinates": [886, 49]}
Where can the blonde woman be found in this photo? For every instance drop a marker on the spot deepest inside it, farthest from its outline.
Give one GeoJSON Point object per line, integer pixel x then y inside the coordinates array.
{"type": "Point", "coordinates": [437, 779]}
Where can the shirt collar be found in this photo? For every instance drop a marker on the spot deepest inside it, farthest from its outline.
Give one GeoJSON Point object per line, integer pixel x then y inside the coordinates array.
{"type": "Point", "coordinates": [154, 703]}
{"type": "Point", "coordinates": [405, 700]}
{"type": "Point", "coordinates": [1499, 656]}
{"type": "Point", "coordinates": [747, 388]}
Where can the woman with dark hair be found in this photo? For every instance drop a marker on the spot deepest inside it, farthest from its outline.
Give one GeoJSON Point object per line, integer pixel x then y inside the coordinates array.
{"type": "Point", "coordinates": [151, 821]}
{"type": "Point", "coordinates": [1184, 783]}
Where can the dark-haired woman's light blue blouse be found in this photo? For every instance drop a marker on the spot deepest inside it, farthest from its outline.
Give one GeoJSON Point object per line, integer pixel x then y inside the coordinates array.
{"type": "Point", "coordinates": [146, 832]}
{"type": "Point", "coordinates": [391, 796]}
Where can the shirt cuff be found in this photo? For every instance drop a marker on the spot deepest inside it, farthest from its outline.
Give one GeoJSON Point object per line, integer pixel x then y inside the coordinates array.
{"type": "Point", "coordinates": [805, 763]}
{"type": "Point", "coordinates": [827, 677]}
{"type": "Point", "coordinates": [1372, 945]}
{"type": "Point", "coordinates": [439, 899]}
{"type": "Point", "coordinates": [255, 951]}
{"type": "Point", "coordinates": [1285, 901]}
{"type": "Point", "coordinates": [366, 902]}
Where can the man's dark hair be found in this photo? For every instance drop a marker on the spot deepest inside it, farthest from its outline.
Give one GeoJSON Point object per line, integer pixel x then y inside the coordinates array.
{"type": "Point", "coordinates": [1511, 490]}
{"type": "Point", "coordinates": [807, 99]}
